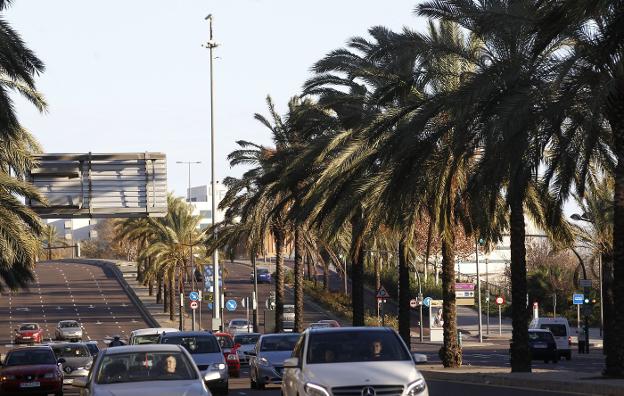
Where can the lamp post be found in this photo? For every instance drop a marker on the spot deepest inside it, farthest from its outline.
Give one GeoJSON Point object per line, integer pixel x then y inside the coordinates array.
{"type": "Point", "coordinates": [189, 163]}
{"type": "Point", "coordinates": [216, 314]}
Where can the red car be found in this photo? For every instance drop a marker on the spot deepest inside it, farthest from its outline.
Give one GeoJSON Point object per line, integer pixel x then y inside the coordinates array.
{"type": "Point", "coordinates": [31, 370]}
{"type": "Point", "coordinates": [28, 333]}
{"type": "Point", "coordinates": [229, 351]}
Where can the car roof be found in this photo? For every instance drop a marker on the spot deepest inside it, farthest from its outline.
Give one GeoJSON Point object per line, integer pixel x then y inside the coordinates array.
{"type": "Point", "coordinates": [28, 323]}
{"type": "Point", "coordinates": [153, 330]}
{"type": "Point", "coordinates": [539, 330]}
{"type": "Point", "coordinates": [552, 320]}
{"type": "Point", "coordinates": [143, 348]}
{"type": "Point", "coordinates": [222, 334]}
{"type": "Point", "coordinates": [247, 334]}
{"type": "Point", "coordinates": [30, 348]}
{"type": "Point", "coordinates": [231, 320]}
{"type": "Point", "coordinates": [188, 334]}
{"type": "Point", "coordinates": [348, 329]}
{"type": "Point", "coordinates": [68, 321]}
{"type": "Point", "coordinates": [277, 335]}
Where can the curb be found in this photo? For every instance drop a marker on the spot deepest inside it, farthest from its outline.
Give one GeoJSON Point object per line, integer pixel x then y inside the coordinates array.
{"type": "Point", "coordinates": [112, 266]}
{"type": "Point", "coordinates": [521, 381]}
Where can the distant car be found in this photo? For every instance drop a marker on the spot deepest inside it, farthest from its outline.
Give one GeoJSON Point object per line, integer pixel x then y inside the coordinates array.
{"type": "Point", "coordinates": [31, 370]}
{"type": "Point", "coordinates": [148, 336]}
{"type": "Point", "coordinates": [28, 333]}
{"type": "Point", "coordinates": [247, 343]}
{"type": "Point", "coordinates": [560, 329]}
{"type": "Point", "coordinates": [289, 313]}
{"type": "Point", "coordinates": [151, 369]}
{"type": "Point", "coordinates": [205, 352]}
{"type": "Point", "coordinates": [77, 359]}
{"type": "Point", "coordinates": [267, 359]}
{"type": "Point", "coordinates": [68, 330]}
{"type": "Point", "coordinates": [239, 326]}
{"type": "Point", "coordinates": [229, 352]}
{"type": "Point", "coordinates": [352, 361]}
{"type": "Point", "coordinates": [319, 325]}
{"type": "Point", "coordinates": [264, 276]}
{"type": "Point", "coordinates": [542, 345]}
{"type": "Point", "coordinates": [332, 323]}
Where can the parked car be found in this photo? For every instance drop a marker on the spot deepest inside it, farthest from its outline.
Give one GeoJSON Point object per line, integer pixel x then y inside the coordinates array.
{"type": "Point", "coordinates": [148, 336]}
{"type": "Point", "coordinates": [264, 276]}
{"type": "Point", "coordinates": [332, 323]}
{"type": "Point", "coordinates": [542, 345]}
{"type": "Point", "coordinates": [205, 352]}
{"type": "Point", "coordinates": [28, 333]}
{"type": "Point", "coordinates": [247, 342]}
{"type": "Point", "coordinates": [77, 359]}
{"type": "Point", "coordinates": [352, 361]}
{"type": "Point", "coordinates": [68, 330]}
{"type": "Point", "coordinates": [28, 370]}
{"type": "Point", "coordinates": [267, 359]}
{"type": "Point", "coordinates": [239, 326]}
{"type": "Point", "coordinates": [319, 325]}
{"type": "Point", "coordinates": [154, 370]}
{"type": "Point", "coordinates": [229, 349]}
{"type": "Point", "coordinates": [560, 329]}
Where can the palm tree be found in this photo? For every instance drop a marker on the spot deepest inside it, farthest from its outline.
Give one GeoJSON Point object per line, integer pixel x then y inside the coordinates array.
{"type": "Point", "coordinates": [50, 238]}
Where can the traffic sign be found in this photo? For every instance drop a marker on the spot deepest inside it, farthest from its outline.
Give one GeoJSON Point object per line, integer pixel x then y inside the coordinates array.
{"type": "Point", "coordinates": [500, 300]}
{"type": "Point", "coordinates": [577, 299]}
{"type": "Point", "coordinates": [194, 304]}
{"type": "Point", "coordinates": [382, 293]}
{"type": "Point", "coordinates": [230, 305]}
{"type": "Point", "coordinates": [413, 303]}
{"type": "Point", "coordinates": [585, 282]}
{"type": "Point", "coordinates": [427, 301]}
{"type": "Point", "coordinates": [464, 286]}
{"type": "Point", "coordinates": [193, 296]}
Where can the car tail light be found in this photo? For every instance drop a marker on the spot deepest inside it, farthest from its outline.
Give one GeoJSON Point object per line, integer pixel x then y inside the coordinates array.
{"type": "Point", "coordinates": [569, 340]}
{"type": "Point", "coordinates": [231, 357]}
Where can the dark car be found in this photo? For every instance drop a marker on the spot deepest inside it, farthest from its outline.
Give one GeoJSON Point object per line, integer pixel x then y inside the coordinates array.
{"type": "Point", "coordinates": [543, 346]}
{"type": "Point", "coordinates": [31, 370]}
{"type": "Point", "coordinates": [264, 276]}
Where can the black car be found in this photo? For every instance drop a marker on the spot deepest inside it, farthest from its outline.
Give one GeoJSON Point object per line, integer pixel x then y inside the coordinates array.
{"type": "Point", "coordinates": [542, 345]}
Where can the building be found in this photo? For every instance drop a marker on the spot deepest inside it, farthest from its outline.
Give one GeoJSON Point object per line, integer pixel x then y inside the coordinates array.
{"type": "Point", "coordinates": [74, 229]}
{"type": "Point", "coordinates": [200, 198]}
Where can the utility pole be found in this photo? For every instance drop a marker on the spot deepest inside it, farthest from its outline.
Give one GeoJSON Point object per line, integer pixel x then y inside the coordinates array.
{"type": "Point", "coordinates": [478, 290]}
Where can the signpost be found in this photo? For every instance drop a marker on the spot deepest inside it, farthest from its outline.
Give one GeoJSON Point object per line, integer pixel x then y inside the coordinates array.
{"type": "Point", "coordinates": [231, 305]}
{"type": "Point", "coordinates": [500, 301]}
{"type": "Point", "coordinates": [245, 304]}
{"type": "Point", "coordinates": [382, 295]}
{"type": "Point", "coordinates": [464, 293]}
{"type": "Point", "coordinates": [194, 305]}
{"type": "Point", "coordinates": [413, 303]}
{"type": "Point", "coordinates": [194, 297]}
{"type": "Point", "coordinates": [427, 302]}
{"type": "Point", "coordinates": [578, 300]}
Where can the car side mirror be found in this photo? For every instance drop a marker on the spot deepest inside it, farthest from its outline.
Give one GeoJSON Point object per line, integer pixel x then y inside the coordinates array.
{"type": "Point", "coordinates": [61, 361]}
{"type": "Point", "coordinates": [419, 358]}
{"type": "Point", "coordinates": [80, 382]}
{"type": "Point", "coordinates": [291, 362]}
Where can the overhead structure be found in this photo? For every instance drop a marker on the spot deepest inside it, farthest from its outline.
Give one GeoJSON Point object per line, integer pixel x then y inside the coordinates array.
{"type": "Point", "coordinates": [100, 185]}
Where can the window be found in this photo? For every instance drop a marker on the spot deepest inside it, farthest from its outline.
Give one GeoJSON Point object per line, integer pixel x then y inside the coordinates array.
{"type": "Point", "coordinates": [206, 214]}
{"type": "Point", "coordinates": [202, 344]}
{"type": "Point", "coordinates": [245, 339]}
{"type": "Point", "coordinates": [355, 346]}
{"type": "Point", "coordinates": [558, 330]}
{"type": "Point", "coordinates": [144, 366]}
{"type": "Point", "coordinates": [30, 356]}
{"type": "Point", "coordinates": [279, 343]}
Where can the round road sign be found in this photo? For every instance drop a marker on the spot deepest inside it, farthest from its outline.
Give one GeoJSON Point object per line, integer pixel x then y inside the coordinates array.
{"type": "Point", "coordinates": [427, 301]}
{"type": "Point", "coordinates": [194, 305]}
{"type": "Point", "coordinates": [413, 303]}
{"type": "Point", "coordinates": [193, 296]}
{"type": "Point", "coordinates": [500, 300]}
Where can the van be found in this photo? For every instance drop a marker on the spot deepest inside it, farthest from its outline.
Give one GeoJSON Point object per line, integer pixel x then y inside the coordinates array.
{"type": "Point", "coordinates": [560, 329]}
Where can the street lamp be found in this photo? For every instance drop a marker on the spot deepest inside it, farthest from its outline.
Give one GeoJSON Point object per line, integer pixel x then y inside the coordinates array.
{"type": "Point", "coordinates": [189, 163]}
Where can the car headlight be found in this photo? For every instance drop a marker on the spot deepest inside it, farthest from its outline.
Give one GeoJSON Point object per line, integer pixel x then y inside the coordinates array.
{"type": "Point", "coordinates": [315, 390]}
{"type": "Point", "coordinates": [7, 377]}
{"type": "Point", "coordinates": [263, 362]}
{"type": "Point", "coordinates": [416, 387]}
{"type": "Point", "coordinates": [219, 366]}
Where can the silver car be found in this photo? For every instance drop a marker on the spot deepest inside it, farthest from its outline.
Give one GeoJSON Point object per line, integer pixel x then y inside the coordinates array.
{"type": "Point", "coordinates": [267, 359]}
{"type": "Point", "coordinates": [154, 370]}
{"type": "Point", "coordinates": [75, 358]}
{"type": "Point", "coordinates": [68, 330]}
{"type": "Point", "coordinates": [239, 326]}
{"type": "Point", "coordinates": [247, 344]}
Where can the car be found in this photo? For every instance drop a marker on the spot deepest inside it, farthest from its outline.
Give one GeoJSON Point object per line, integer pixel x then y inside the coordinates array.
{"type": "Point", "coordinates": [148, 336]}
{"type": "Point", "coordinates": [267, 359]}
{"type": "Point", "coordinates": [560, 329]}
{"type": "Point", "coordinates": [289, 313]}
{"type": "Point", "coordinates": [352, 361]}
{"type": "Point", "coordinates": [154, 369]}
{"type": "Point", "coordinates": [229, 352]}
{"type": "Point", "coordinates": [28, 333]}
{"type": "Point", "coordinates": [31, 369]}
{"type": "Point", "coordinates": [68, 330]}
{"type": "Point", "coordinates": [239, 326]}
{"type": "Point", "coordinates": [77, 359]}
{"type": "Point", "coordinates": [247, 342]}
{"type": "Point", "coordinates": [332, 323]}
{"type": "Point", "coordinates": [205, 352]}
{"type": "Point", "coordinates": [319, 325]}
{"type": "Point", "coordinates": [542, 345]}
{"type": "Point", "coordinates": [288, 326]}
{"type": "Point", "coordinates": [264, 276]}
{"type": "Point", "coordinates": [93, 347]}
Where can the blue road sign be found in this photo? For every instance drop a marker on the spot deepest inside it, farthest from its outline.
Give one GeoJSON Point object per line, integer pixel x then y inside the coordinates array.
{"type": "Point", "coordinates": [230, 305]}
{"type": "Point", "coordinates": [193, 296]}
{"type": "Point", "coordinates": [427, 301]}
{"type": "Point", "coordinates": [578, 299]}
{"type": "Point", "coordinates": [209, 305]}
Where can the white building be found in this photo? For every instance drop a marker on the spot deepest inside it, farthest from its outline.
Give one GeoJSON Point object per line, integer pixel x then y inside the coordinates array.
{"type": "Point", "coordinates": [201, 199]}
{"type": "Point", "coordinates": [75, 229]}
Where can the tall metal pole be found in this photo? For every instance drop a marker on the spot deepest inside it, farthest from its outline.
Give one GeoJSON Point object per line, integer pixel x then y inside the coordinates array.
{"type": "Point", "coordinates": [254, 297]}
{"type": "Point", "coordinates": [478, 290]}
{"type": "Point", "coordinates": [216, 314]}
{"type": "Point", "coordinates": [420, 299]}
{"type": "Point", "coordinates": [487, 286]}
{"type": "Point", "coordinates": [600, 280]}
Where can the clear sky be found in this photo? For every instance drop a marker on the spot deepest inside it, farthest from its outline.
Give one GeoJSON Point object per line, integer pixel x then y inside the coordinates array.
{"type": "Point", "coordinates": [131, 75]}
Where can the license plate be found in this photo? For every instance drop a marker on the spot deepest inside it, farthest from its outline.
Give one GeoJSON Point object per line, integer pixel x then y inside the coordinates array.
{"type": "Point", "coordinates": [29, 384]}
{"type": "Point", "coordinates": [26, 338]}
{"type": "Point", "coordinates": [540, 346]}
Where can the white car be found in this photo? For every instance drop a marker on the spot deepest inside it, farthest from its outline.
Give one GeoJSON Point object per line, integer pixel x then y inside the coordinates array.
{"type": "Point", "coordinates": [239, 326]}
{"type": "Point", "coordinates": [349, 361]}
{"type": "Point", "coordinates": [68, 330]}
{"type": "Point", "coordinates": [560, 329]}
{"type": "Point", "coordinates": [149, 335]}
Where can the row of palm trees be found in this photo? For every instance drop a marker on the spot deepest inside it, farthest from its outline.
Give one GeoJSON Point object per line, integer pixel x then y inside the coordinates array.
{"type": "Point", "coordinates": [500, 111]}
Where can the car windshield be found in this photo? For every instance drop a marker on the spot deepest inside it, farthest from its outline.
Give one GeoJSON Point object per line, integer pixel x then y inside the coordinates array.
{"type": "Point", "coordinates": [144, 366]}
{"type": "Point", "coordinates": [355, 346]}
{"type": "Point", "coordinates": [70, 351]}
{"type": "Point", "coordinates": [289, 324]}
{"type": "Point", "coordinates": [225, 341]}
{"type": "Point", "coordinates": [245, 339]}
{"type": "Point", "coordinates": [558, 330]}
{"type": "Point", "coordinates": [279, 343]}
{"type": "Point", "coordinates": [239, 323]}
{"type": "Point", "coordinates": [542, 336]}
{"type": "Point", "coordinates": [29, 327]}
{"type": "Point", "coordinates": [69, 324]}
{"type": "Point", "coordinates": [262, 271]}
{"type": "Point", "coordinates": [30, 357]}
{"type": "Point", "coordinates": [93, 348]}
{"type": "Point", "coordinates": [145, 339]}
{"type": "Point", "coordinates": [195, 345]}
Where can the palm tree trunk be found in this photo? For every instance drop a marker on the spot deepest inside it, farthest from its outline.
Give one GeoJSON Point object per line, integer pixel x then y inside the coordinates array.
{"type": "Point", "coordinates": [279, 278]}
{"type": "Point", "coordinates": [450, 353]}
{"type": "Point", "coordinates": [428, 249]}
{"type": "Point", "coordinates": [325, 275]}
{"type": "Point", "coordinates": [520, 358]}
{"type": "Point", "coordinates": [404, 294]}
{"type": "Point", "coordinates": [165, 299]}
{"type": "Point", "coordinates": [150, 288]}
{"type": "Point", "coordinates": [298, 279]}
{"type": "Point", "coordinates": [357, 269]}
{"type": "Point", "coordinates": [607, 303]}
{"type": "Point", "coordinates": [309, 264]}
{"type": "Point", "coordinates": [172, 294]}
{"type": "Point", "coordinates": [159, 287]}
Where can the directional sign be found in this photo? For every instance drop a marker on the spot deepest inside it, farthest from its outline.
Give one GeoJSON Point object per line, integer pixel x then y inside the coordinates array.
{"type": "Point", "coordinates": [194, 304]}
{"type": "Point", "coordinates": [585, 282]}
{"type": "Point", "coordinates": [193, 296]}
{"type": "Point", "coordinates": [413, 303]}
{"type": "Point", "coordinates": [464, 286]}
{"type": "Point", "coordinates": [427, 301]}
{"type": "Point", "coordinates": [230, 305]}
{"type": "Point", "coordinates": [500, 300]}
{"type": "Point", "coordinates": [382, 293]}
{"type": "Point", "coordinates": [578, 299]}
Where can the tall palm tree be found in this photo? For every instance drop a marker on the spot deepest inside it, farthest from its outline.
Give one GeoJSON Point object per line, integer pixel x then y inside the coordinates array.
{"type": "Point", "coordinates": [50, 238]}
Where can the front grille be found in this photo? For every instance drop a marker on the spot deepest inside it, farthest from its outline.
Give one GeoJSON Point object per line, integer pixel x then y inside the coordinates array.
{"type": "Point", "coordinates": [203, 367]}
{"type": "Point", "coordinates": [380, 390]}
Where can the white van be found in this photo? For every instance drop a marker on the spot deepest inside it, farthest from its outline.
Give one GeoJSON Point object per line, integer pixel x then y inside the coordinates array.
{"type": "Point", "coordinates": [149, 336]}
{"type": "Point", "coordinates": [560, 329]}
